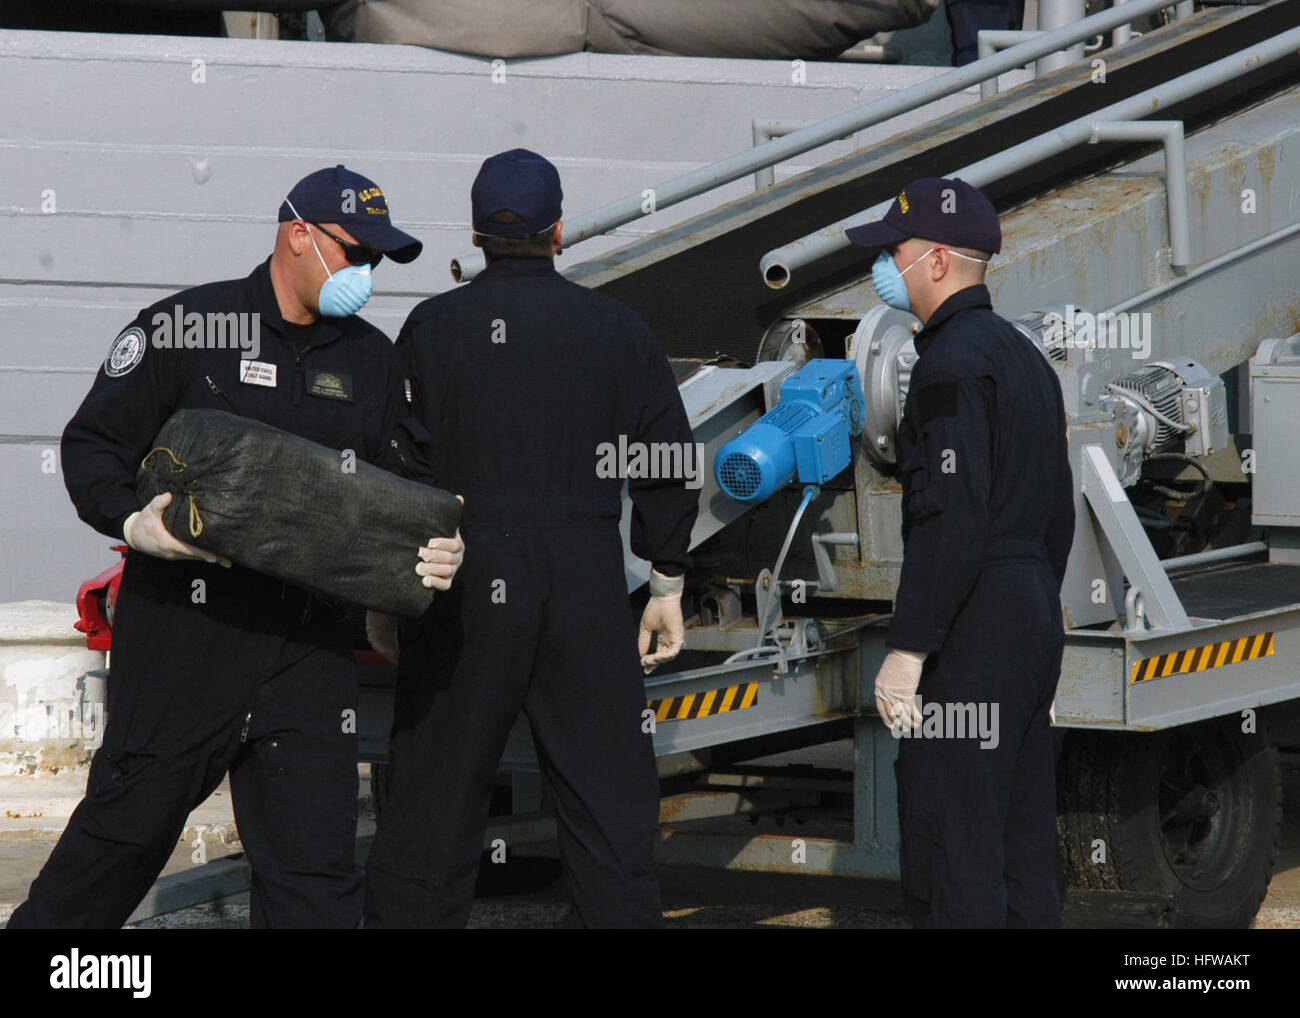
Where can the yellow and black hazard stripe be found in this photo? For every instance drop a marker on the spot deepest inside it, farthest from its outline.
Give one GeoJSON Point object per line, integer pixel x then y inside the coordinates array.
{"type": "Point", "coordinates": [1198, 659]}
{"type": "Point", "coordinates": [702, 705]}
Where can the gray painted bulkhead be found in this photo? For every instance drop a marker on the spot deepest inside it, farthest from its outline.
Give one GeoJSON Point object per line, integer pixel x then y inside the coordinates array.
{"type": "Point", "coordinates": [160, 182]}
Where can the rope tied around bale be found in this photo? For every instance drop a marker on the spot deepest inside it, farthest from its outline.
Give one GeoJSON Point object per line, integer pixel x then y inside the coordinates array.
{"type": "Point", "coordinates": [196, 521]}
{"type": "Point", "coordinates": [162, 448]}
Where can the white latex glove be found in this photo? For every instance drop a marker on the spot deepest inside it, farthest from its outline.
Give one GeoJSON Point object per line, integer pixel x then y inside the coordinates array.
{"type": "Point", "coordinates": [145, 532]}
{"type": "Point", "coordinates": [439, 560]}
{"type": "Point", "coordinates": [382, 632]}
{"type": "Point", "coordinates": [662, 615]}
{"type": "Point", "coordinates": [896, 682]}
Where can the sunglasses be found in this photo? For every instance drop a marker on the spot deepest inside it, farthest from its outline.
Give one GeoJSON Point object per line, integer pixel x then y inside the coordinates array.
{"type": "Point", "coordinates": [356, 254]}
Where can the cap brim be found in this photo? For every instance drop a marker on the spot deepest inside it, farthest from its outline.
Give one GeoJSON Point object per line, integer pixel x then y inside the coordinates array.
{"type": "Point", "coordinates": [878, 234]}
{"type": "Point", "coordinates": [399, 246]}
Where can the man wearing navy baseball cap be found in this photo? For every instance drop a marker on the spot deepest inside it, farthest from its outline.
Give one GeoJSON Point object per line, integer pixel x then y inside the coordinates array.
{"type": "Point", "coordinates": [516, 196]}
{"type": "Point", "coordinates": [347, 199]}
{"type": "Point", "coordinates": [961, 234]}
{"type": "Point", "coordinates": [523, 378]}
{"type": "Point", "coordinates": [354, 206]}
{"type": "Point", "coordinates": [218, 669]}
{"type": "Point", "coordinates": [988, 520]}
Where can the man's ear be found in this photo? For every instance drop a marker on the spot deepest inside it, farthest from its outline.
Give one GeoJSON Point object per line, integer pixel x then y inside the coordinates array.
{"type": "Point", "coordinates": [557, 238]}
{"type": "Point", "coordinates": [944, 265]}
{"type": "Point", "coordinates": [473, 239]}
{"type": "Point", "coordinates": [299, 237]}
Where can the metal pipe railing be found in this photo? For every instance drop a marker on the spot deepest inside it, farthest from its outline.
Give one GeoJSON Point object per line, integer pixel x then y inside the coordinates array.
{"type": "Point", "coordinates": [764, 130]}
{"type": "Point", "coordinates": [777, 265]}
{"type": "Point", "coordinates": [989, 40]}
{"type": "Point", "coordinates": [1202, 558]}
{"type": "Point", "coordinates": [1057, 14]}
{"type": "Point", "coordinates": [689, 185]}
{"type": "Point", "coordinates": [1170, 134]}
{"type": "Point", "coordinates": [1123, 34]}
{"type": "Point", "coordinates": [1205, 268]}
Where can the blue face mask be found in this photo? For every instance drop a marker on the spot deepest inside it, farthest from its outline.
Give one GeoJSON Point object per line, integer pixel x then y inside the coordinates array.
{"type": "Point", "coordinates": [345, 292]}
{"type": "Point", "coordinates": [888, 281]}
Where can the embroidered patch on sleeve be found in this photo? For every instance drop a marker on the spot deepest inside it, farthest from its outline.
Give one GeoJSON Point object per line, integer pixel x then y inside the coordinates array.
{"type": "Point", "coordinates": [126, 352]}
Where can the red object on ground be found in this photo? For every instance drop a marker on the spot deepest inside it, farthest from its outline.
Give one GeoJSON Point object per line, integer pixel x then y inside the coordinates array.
{"type": "Point", "coordinates": [95, 603]}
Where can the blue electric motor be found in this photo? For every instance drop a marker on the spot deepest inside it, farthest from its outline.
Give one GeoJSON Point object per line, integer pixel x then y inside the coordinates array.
{"type": "Point", "coordinates": [809, 433]}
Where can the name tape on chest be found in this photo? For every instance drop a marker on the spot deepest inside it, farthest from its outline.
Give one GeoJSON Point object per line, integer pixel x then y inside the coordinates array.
{"type": "Point", "coordinates": [331, 385]}
{"type": "Point", "coordinates": [257, 373]}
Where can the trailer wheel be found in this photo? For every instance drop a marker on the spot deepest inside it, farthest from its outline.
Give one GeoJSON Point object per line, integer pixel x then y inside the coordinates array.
{"type": "Point", "coordinates": [1191, 813]}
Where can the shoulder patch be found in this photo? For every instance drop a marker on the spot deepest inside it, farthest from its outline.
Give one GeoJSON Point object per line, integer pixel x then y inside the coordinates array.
{"type": "Point", "coordinates": [126, 352]}
{"type": "Point", "coordinates": [938, 399]}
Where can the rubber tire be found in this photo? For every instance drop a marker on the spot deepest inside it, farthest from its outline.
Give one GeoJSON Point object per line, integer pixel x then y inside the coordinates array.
{"type": "Point", "coordinates": [1107, 789]}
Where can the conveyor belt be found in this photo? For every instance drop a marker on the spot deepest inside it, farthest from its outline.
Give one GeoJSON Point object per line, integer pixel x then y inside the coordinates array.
{"type": "Point", "coordinates": [709, 264]}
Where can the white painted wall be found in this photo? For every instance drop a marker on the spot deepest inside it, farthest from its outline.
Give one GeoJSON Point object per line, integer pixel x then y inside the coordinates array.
{"type": "Point", "coordinates": [51, 712]}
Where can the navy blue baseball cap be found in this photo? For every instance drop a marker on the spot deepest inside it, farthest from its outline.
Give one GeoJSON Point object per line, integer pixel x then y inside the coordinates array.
{"type": "Point", "coordinates": [337, 195]}
{"type": "Point", "coordinates": [521, 182]}
{"type": "Point", "coordinates": [935, 208]}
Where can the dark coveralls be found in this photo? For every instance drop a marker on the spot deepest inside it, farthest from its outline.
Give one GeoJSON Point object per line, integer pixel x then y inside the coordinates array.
{"type": "Point", "coordinates": [968, 17]}
{"type": "Point", "coordinates": [255, 678]}
{"type": "Point", "coordinates": [538, 616]}
{"type": "Point", "coordinates": [988, 522]}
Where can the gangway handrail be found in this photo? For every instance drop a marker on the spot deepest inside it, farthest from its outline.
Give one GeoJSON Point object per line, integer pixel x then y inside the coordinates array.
{"type": "Point", "coordinates": [777, 265]}
{"type": "Point", "coordinates": [707, 178]}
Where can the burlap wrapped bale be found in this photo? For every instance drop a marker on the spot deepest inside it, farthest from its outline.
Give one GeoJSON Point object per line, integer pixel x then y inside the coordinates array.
{"type": "Point", "coordinates": [295, 510]}
{"type": "Point", "coordinates": [754, 29]}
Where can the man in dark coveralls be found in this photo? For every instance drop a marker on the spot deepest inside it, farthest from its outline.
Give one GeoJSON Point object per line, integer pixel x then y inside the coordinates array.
{"type": "Point", "coordinates": [967, 18]}
{"type": "Point", "coordinates": [255, 677]}
{"type": "Point", "coordinates": [521, 376]}
{"type": "Point", "coordinates": [988, 518]}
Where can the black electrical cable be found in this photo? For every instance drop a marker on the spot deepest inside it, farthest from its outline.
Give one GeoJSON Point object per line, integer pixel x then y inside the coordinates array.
{"type": "Point", "coordinates": [1204, 485]}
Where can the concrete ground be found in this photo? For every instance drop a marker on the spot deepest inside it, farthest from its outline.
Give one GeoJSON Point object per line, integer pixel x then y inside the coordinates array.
{"type": "Point", "coordinates": [33, 812]}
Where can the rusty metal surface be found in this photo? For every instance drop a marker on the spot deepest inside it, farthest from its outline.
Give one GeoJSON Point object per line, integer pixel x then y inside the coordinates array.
{"type": "Point", "coordinates": [1179, 698]}
{"type": "Point", "coordinates": [1090, 691]}
{"type": "Point", "coordinates": [1096, 688]}
{"type": "Point", "coordinates": [1102, 242]}
{"type": "Point", "coordinates": [708, 263]}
